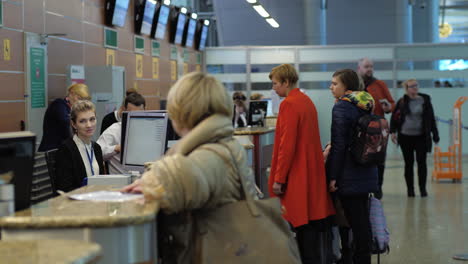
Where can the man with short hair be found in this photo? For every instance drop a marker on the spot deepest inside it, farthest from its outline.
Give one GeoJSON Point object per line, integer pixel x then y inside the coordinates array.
{"type": "Point", "coordinates": [384, 102]}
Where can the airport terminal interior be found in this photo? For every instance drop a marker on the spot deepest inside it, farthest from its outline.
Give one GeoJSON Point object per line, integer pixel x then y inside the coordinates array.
{"type": "Point", "coordinates": [119, 60]}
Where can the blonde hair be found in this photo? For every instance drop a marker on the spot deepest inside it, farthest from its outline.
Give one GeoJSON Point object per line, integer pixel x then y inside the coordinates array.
{"type": "Point", "coordinates": [256, 96]}
{"type": "Point", "coordinates": [405, 83]}
{"type": "Point", "coordinates": [195, 97]}
{"type": "Point", "coordinates": [285, 72]}
{"type": "Point", "coordinates": [79, 89]}
{"type": "Point", "coordinates": [80, 107]}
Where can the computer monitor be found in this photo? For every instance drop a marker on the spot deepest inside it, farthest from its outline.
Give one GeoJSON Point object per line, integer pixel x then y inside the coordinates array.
{"type": "Point", "coordinates": [145, 139]}
{"type": "Point", "coordinates": [189, 32]}
{"type": "Point", "coordinates": [201, 34]}
{"type": "Point", "coordinates": [257, 113]}
{"type": "Point", "coordinates": [161, 17]}
{"type": "Point", "coordinates": [17, 150]}
{"type": "Point", "coordinates": [116, 12]}
{"type": "Point", "coordinates": [178, 18]}
{"type": "Point", "coordinates": [144, 13]}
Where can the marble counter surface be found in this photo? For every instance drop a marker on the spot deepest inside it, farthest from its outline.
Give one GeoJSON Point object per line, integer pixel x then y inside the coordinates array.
{"type": "Point", "coordinates": [48, 251]}
{"type": "Point", "coordinates": [61, 212]}
{"type": "Point", "coordinates": [253, 130]}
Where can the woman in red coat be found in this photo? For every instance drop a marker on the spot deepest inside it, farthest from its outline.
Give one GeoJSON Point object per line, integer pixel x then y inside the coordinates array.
{"type": "Point", "coordinates": [297, 170]}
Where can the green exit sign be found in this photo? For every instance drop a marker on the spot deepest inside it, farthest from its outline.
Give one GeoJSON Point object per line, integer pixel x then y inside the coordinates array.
{"type": "Point", "coordinates": [110, 38]}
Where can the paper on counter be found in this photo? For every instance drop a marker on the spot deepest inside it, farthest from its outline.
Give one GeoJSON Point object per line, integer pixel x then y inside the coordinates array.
{"type": "Point", "coordinates": [105, 196]}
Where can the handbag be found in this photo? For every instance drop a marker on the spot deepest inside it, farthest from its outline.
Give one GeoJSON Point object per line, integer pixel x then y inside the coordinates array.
{"type": "Point", "coordinates": [247, 231]}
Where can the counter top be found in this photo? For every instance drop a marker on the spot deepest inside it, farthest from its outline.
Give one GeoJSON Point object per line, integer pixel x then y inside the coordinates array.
{"type": "Point", "coordinates": [61, 212]}
{"type": "Point", "coordinates": [48, 251]}
{"type": "Point", "coordinates": [253, 130]}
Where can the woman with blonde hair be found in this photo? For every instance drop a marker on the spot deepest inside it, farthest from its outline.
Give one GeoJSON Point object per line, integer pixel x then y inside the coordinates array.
{"type": "Point", "coordinates": [79, 157]}
{"type": "Point", "coordinates": [56, 124]}
{"type": "Point", "coordinates": [202, 171]}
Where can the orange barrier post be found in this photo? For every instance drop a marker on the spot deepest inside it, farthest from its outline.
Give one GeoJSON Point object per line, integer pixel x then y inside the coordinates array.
{"type": "Point", "coordinates": [448, 165]}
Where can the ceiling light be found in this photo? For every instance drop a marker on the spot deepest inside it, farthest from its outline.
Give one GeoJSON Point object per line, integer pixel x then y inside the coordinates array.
{"type": "Point", "coordinates": [207, 22]}
{"type": "Point", "coordinates": [261, 11]}
{"type": "Point", "coordinates": [194, 15]}
{"type": "Point", "coordinates": [183, 10]}
{"type": "Point", "coordinates": [167, 2]}
{"type": "Point", "coordinates": [252, 1]}
{"type": "Point", "coordinates": [272, 22]}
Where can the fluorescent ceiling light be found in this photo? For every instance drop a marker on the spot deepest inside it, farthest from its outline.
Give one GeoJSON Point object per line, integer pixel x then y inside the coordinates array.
{"type": "Point", "coordinates": [167, 2]}
{"type": "Point", "coordinates": [194, 15]}
{"type": "Point", "coordinates": [252, 1]}
{"type": "Point", "coordinates": [272, 22]}
{"type": "Point", "coordinates": [183, 10]}
{"type": "Point", "coordinates": [207, 22]}
{"type": "Point", "coordinates": [261, 11]}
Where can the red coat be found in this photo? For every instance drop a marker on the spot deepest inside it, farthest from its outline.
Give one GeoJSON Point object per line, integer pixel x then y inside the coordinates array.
{"type": "Point", "coordinates": [298, 161]}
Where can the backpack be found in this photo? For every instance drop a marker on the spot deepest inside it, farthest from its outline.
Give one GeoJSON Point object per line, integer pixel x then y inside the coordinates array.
{"type": "Point", "coordinates": [370, 138]}
{"type": "Point", "coordinates": [380, 233]}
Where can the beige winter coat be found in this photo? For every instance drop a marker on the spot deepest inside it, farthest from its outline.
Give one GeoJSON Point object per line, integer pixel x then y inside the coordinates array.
{"type": "Point", "coordinates": [194, 176]}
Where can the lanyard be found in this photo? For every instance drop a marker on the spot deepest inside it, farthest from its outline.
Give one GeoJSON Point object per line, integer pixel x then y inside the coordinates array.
{"type": "Point", "coordinates": [90, 157]}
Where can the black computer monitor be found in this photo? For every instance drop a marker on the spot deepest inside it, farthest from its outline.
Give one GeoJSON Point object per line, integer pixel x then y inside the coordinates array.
{"type": "Point", "coordinates": [144, 14]}
{"type": "Point", "coordinates": [116, 12]}
{"type": "Point", "coordinates": [145, 139]}
{"type": "Point", "coordinates": [201, 34]}
{"type": "Point", "coordinates": [161, 17]}
{"type": "Point", "coordinates": [257, 113]}
{"type": "Point", "coordinates": [17, 150]}
{"type": "Point", "coordinates": [189, 31]}
{"type": "Point", "coordinates": [178, 18]}
{"type": "Point", "coordinates": [171, 135]}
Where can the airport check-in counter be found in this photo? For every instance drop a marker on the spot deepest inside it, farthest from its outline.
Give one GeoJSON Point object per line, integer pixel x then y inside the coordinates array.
{"type": "Point", "coordinates": [49, 251]}
{"type": "Point", "coordinates": [126, 231]}
{"type": "Point", "coordinates": [262, 139]}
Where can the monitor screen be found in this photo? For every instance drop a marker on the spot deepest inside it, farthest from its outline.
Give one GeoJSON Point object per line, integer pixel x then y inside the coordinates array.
{"type": "Point", "coordinates": [180, 28]}
{"type": "Point", "coordinates": [204, 35]}
{"type": "Point", "coordinates": [116, 12]}
{"type": "Point", "coordinates": [189, 33]}
{"type": "Point", "coordinates": [148, 15]}
{"type": "Point", "coordinates": [160, 21]}
{"type": "Point", "coordinates": [17, 150]}
{"type": "Point", "coordinates": [257, 113]}
{"type": "Point", "coordinates": [145, 138]}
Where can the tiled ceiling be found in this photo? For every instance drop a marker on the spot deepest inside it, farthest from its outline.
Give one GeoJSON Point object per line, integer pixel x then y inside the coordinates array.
{"type": "Point", "coordinates": [456, 14]}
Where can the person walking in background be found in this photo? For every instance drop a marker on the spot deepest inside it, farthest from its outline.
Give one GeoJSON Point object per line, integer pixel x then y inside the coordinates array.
{"type": "Point", "coordinates": [79, 158]}
{"type": "Point", "coordinates": [297, 169]}
{"type": "Point", "coordinates": [352, 182]}
{"type": "Point", "coordinates": [384, 102]}
{"type": "Point", "coordinates": [411, 125]}
{"type": "Point", "coordinates": [56, 123]}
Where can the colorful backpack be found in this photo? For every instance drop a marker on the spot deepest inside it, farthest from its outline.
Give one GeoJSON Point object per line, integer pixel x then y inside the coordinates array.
{"type": "Point", "coordinates": [370, 138]}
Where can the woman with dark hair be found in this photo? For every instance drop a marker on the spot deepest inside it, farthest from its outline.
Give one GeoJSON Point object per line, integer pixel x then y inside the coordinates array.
{"type": "Point", "coordinates": [239, 118]}
{"type": "Point", "coordinates": [351, 181]}
{"type": "Point", "coordinates": [413, 120]}
{"type": "Point", "coordinates": [79, 157]}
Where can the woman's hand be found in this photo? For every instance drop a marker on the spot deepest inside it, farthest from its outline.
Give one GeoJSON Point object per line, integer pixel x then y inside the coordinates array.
{"type": "Point", "coordinates": [326, 152]}
{"type": "Point", "coordinates": [394, 138]}
{"type": "Point", "coordinates": [277, 188]}
{"type": "Point", "coordinates": [332, 186]}
{"type": "Point", "coordinates": [135, 187]}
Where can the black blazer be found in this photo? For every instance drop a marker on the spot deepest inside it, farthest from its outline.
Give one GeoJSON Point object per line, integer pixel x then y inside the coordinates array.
{"type": "Point", "coordinates": [70, 168]}
{"type": "Point", "coordinates": [107, 121]}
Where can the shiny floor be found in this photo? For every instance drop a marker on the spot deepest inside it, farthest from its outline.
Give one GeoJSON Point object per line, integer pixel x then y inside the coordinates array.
{"type": "Point", "coordinates": [425, 230]}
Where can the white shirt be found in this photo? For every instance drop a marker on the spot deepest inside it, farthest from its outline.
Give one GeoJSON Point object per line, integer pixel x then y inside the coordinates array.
{"type": "Point", "coordinates": [110, 138]}
{"type": "Point", "coordinates": [85, 150]}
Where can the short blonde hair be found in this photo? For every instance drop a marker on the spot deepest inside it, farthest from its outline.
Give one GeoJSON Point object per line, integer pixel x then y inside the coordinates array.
{"type": "Point", "coordinates": [81, 90]}
{"type": "Point", "coordinates": [285, 72]}
{"type": "Point", "coordinates": [256, 96]}
{"type": "Point", "coordinates": [195, 97]}
{"type": "Point", "coordinates": [405, 83]}
{"type": "Point", "coordinates": [80, 107]}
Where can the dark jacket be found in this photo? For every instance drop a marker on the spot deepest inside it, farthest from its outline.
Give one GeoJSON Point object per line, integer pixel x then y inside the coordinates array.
{"type": "Point", "coordinates": [107, 121]}
{"type": "Point", "coordinates": [351, 177]}
{"type": "Point", "coordinates": [429, 123]}
{"type": "Point", "coordinates": [70, 168]}
{"type": "Point", "coordinates": [56, 125]}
